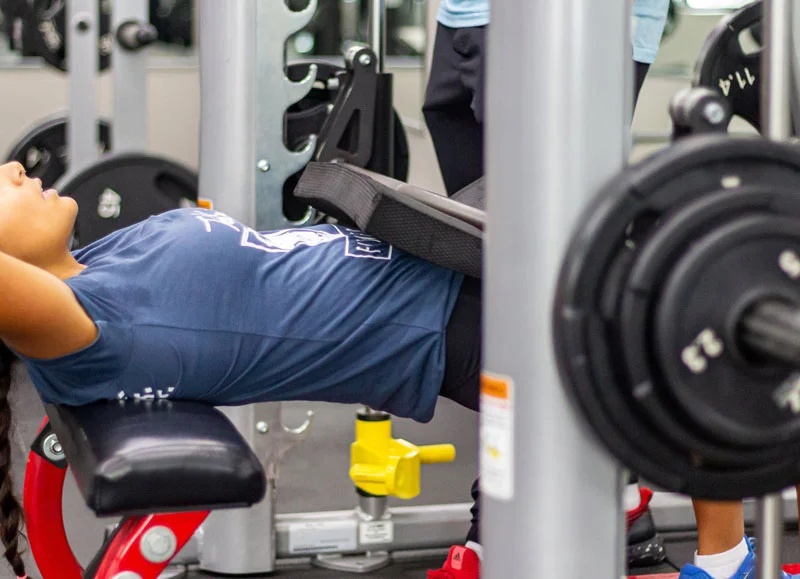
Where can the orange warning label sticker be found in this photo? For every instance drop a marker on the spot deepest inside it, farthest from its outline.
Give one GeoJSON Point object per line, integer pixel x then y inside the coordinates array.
{"type": "Point", "coordinates": [494, 386]}
{"type": "Point", "coordinates": [497, 436]}
{"type": "Point", "coordinates": [205, 204]}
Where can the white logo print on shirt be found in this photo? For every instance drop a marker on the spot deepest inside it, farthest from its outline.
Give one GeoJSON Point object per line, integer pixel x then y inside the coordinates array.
{"type": "Point", "coordinates": [357, 244]}
{"type": "Point", "coordinates": [148, 394]}
{"type": "Point", "coordinates": [287, 240]}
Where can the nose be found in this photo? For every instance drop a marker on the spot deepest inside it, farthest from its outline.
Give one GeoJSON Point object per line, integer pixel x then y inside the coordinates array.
{"type": "Point", "coordinates": [12, 168]}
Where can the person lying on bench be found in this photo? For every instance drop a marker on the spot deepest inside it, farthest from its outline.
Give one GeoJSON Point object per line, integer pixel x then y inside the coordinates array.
{"type": "Point", "coordinates": [193, 305]}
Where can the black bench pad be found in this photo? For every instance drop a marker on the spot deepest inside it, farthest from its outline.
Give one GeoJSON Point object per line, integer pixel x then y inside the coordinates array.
{"type": "Point", "coordinates": [147, 456]}
{"type": "Point", "coordinates": [444, 231]}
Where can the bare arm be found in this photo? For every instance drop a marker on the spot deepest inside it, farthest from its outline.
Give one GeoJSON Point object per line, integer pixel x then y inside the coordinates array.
{"type": "Point", "coordinates": [40, 317]}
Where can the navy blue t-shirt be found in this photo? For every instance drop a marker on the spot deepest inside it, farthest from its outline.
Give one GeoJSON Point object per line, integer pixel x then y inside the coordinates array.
{"type": "Point", "coordinates": [191, 304]}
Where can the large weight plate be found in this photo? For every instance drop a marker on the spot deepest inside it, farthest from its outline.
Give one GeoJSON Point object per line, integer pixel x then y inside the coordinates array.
{"type": "Point", "coordinates": [46, 29]}
{"type": "Point", "coordinates": [43, 150]}
{"type": "Point", "coordinates": [588, 326]}
{"type": "Point", "coordinates": [723, 64]}
{"type": "Point", "coordinates": [121, 190]}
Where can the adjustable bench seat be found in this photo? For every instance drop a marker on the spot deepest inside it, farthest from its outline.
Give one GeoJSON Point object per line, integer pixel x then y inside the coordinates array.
{"type": "Point", "coordinates": [444, 231]}
{"type": "Point", "coordinates": [148, 456]}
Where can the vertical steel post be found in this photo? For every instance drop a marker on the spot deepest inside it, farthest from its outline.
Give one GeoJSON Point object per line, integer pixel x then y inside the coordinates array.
{"type": "Point", "coordinates": [558, 120]}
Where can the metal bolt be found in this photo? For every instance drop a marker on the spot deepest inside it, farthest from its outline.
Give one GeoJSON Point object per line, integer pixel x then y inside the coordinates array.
{"type": "Point", "coordinates": [263, 165]}
{"type": "Point", "coordinates": [158, 544]}
{"type": "Point", "coordinates": [127, 575]}
{"type": "Point", "coordinates": [83, 22]}
{"type": "Point", "coordinates": [714, 113]}
{"type": "Point", "coordinates": [365, 59]}
{"type": "Point", "coordinates": [52, 448]}
{"type": "Point", "coordinates": [262, 427]}
{"type": "Point", "coordinates": [731, 181]}
{"type": "Point", "coordinates": [789, 262]}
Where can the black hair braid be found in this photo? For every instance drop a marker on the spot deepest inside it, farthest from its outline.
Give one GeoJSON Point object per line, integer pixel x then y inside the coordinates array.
{"type": "Point", "coordinates": [11, 514]}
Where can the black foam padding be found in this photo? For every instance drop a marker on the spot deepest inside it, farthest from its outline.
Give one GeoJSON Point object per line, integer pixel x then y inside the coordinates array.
{"type": "Point", "coordinates": [473, 194]}
{"type": "Point", "coordinates": [440, 230]}
{"type": "Point", "coordinates": [146, 456]}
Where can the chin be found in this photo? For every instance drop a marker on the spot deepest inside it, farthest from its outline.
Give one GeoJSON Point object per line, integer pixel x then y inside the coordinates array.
{"type": "Point", "coordinates": [70, 202]}
{"type": "Point", "coordinates": [70, 207]}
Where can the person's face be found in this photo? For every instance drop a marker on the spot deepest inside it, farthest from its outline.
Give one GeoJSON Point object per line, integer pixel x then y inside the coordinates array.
{"type": "Point", "coordinates": [35, 225]}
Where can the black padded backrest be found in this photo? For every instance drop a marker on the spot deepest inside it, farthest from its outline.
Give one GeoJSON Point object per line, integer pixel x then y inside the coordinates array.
{"type": "Point", "coordinates": [470, 200]}
{"type": "Point", "coordinates": [144, 456]}
{"type": "Point", "coordinates": [473, 194]}
{"type": "Point", "coordinates": [430, 226]}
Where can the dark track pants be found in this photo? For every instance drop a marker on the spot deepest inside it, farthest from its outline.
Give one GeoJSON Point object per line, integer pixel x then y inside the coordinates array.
{"type": "Point", "coordinates": [454, 103]}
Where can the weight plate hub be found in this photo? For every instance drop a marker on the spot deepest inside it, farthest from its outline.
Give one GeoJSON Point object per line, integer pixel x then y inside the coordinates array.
{"type": "Point", "coordinates": [43, 150]}
{"type": "Point", "coordinates": [122, 190]}
{"type": "Point", "coordinates": [725, 66]}
{"type": "Point", "coordinates": [730, 395]}
{"type": "Point", "coordinates": [624, 315]}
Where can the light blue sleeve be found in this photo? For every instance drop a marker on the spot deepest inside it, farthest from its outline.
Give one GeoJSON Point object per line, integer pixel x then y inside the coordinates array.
{"type": "Point", "coordinates": [463, 13]}
{"type": "Point", "coordinates": [649, 18]}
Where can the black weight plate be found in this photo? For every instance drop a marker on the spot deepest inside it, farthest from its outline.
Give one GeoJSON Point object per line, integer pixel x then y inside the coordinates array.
{"type": "Point", "coordinates": [174, 20]}
{"type": "Point", "coordinates": [43, 150]}
{"type": "Point", "coordinates": [724, 66]}
{"type": "Point", "coordinates": [306, 118]}
{"type": "Point", "coordinates": [46, 28]}
{"type": "Point", "coordinates": [14, 13]}
{"type": "Point", "coordinates": [121, 190]}
{"type": "Point", "coordinates": [709, 287]}
{"type": "Point", "coordinates": [589, 351]}
{"type": "Point", "coordinates": [679, 228]}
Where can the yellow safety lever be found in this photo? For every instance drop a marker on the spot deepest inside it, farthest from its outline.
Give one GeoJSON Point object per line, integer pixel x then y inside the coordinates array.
{"type": "Point", "coordinates": [384, 466]}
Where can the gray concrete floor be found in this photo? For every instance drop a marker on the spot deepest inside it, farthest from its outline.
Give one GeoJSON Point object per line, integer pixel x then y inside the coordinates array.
{"type": "Point", "coordinates": [314, 476]}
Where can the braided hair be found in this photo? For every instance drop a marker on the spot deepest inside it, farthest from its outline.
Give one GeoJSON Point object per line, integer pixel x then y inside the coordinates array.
{"type": "Point", "coordinates": [11, 514]}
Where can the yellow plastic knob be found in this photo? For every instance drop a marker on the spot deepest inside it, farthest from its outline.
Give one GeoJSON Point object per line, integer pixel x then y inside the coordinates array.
{"type": "Point", "coordinates": [434, 453]}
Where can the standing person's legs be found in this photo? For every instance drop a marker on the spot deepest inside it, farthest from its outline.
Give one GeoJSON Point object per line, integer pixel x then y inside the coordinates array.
{"type": "Point", "coordinates": [453, 105]}
{"type": "Point", "coordinates": [720, 526]}
{"type": "Point", "coordinates": [723, 551]}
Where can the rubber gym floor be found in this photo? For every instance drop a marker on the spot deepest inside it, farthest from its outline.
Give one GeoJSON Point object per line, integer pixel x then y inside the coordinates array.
{"type": "Point", "coordinates": [680, 550]}
{"type": "Point", "coordinates": [302, 488]}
